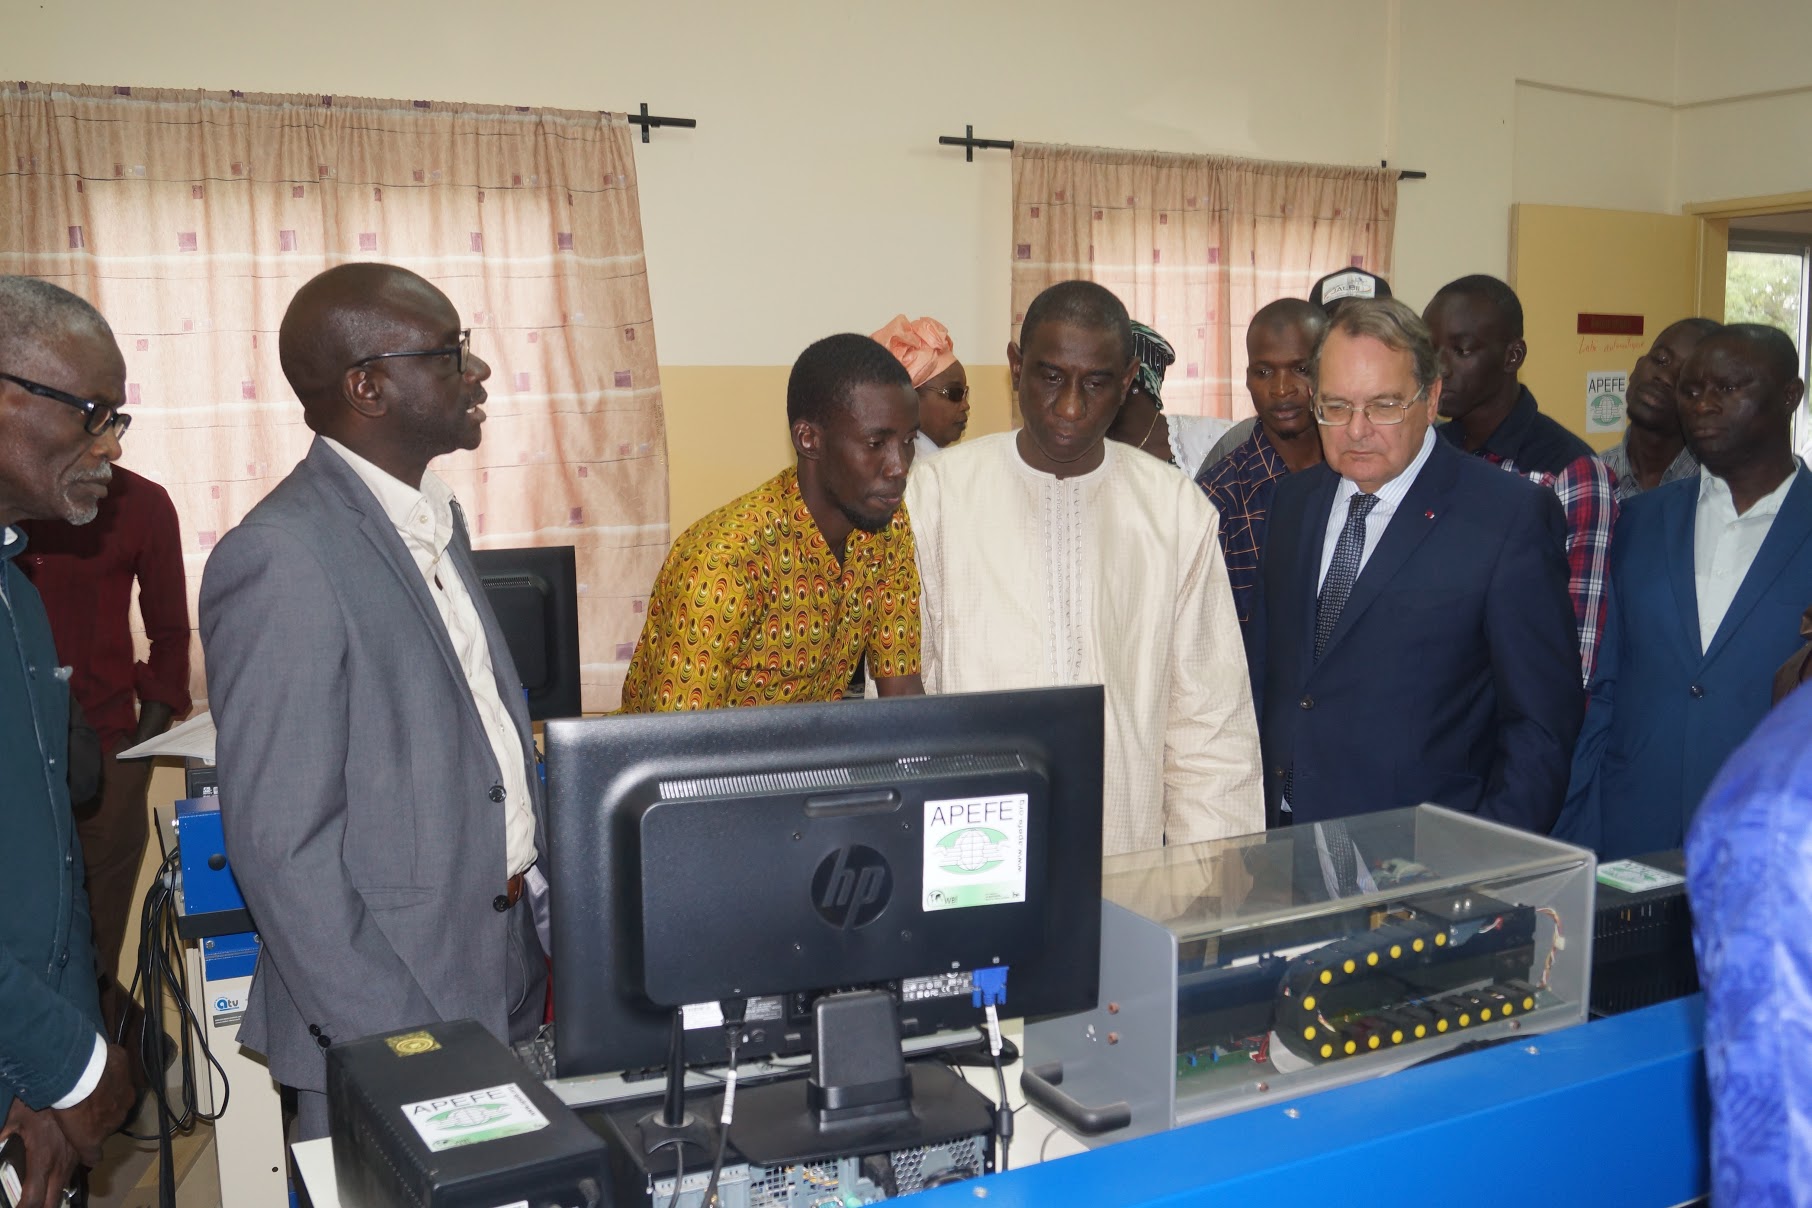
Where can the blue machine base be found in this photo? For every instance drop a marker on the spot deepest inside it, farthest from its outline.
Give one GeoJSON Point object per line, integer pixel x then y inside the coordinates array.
{"type": "Point", "coordinates": [1612, 1112]}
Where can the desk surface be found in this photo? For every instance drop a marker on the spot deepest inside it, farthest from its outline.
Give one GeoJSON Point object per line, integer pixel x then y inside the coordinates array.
{"type": "Point", "coordinates": [1612, 1112]}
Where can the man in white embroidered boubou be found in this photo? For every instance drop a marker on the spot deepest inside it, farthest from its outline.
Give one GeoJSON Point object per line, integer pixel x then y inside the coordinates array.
{"type": "Point", "coordinates": [1052, 555]}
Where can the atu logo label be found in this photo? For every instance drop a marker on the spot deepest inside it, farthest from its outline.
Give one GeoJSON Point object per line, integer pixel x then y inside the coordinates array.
{"type": "Point", "coordinates": [852, 886]}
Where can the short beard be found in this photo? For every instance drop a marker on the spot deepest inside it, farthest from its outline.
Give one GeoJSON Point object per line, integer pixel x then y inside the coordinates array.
{"type": "Point", "coordinates": [79, 514]}
{"type": "Point", "coordinates": [868, 522]}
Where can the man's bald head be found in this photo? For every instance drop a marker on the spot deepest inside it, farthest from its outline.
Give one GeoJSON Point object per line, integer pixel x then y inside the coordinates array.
{"type": "Point", "coordinates": [1289, 314]}
{"type": "Point", "coordinates": [348, 313]}
{"type": "Point", "coordinates": [378, 358]}
{"type": "Point", "coordinates": [1771, 348]}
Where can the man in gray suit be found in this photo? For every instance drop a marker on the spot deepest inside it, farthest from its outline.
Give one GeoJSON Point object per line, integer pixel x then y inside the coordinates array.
{"type": "Point", "coordinates": [377, 784]}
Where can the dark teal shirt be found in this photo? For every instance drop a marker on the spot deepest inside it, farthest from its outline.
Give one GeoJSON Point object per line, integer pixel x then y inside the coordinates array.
{"type": "Point", "coordinates": [49, 1002]}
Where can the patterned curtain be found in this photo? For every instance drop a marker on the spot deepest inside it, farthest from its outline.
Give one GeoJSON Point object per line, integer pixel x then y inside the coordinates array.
{"type": "Point", "coordinates": [1194, 245]}
{"type": "Point", "coordinates": [190, 218]}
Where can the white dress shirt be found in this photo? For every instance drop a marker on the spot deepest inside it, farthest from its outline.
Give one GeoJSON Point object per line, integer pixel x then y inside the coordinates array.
{"type": "Point", "coordinates": [1378, 519]}
{"type": "Point", "coordinates": [424, 520]}
{"type": "Point", "coordinates": [924, 448]}
{"type": "Point", "coordinates": [1724, 545]}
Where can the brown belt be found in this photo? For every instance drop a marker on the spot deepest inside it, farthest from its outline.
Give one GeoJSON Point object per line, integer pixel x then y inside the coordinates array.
{"type": "Point", "coordinates": [512, 893]}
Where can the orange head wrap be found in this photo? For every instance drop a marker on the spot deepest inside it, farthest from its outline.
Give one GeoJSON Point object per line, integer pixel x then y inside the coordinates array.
{"type": "Point", "coordinates": [922, 345]}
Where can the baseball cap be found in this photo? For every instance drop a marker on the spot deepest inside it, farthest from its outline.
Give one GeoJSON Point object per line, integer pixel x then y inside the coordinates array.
{"type": "Point", "coordinates": [1337, 287]}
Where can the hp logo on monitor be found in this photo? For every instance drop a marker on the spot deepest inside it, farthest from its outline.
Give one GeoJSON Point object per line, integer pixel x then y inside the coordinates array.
{"type": "Point", "coordinates": [852, 886]}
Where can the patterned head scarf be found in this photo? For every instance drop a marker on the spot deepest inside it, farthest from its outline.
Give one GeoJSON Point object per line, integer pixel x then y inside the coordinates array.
{"type": "Point", "coordinates": [1155, 356]}
{"type": "Point", "coordinates": [922, 345]}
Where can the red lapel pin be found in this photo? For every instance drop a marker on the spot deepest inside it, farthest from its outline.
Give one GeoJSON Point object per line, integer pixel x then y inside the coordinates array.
{"type": "Point", "coordinates": [1429, 515]}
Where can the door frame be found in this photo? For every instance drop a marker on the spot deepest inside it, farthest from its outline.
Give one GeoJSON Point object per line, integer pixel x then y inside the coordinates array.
{"type": "Point", "coordinates": [1714, 239]}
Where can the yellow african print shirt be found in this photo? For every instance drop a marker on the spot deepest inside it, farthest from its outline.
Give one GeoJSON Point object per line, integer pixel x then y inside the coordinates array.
{"type": "Point", "coordinates": [751, 608]}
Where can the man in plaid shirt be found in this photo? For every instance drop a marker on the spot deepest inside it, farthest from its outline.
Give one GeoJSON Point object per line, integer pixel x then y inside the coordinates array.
{"type": "Point", "coordinates": [1477, 324]}
{"type": "Point", "coordinates": [1280, 343]}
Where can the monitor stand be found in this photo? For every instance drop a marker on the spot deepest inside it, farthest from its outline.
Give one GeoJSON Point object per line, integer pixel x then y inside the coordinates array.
{"type": "Point", "coordinates": [860, 1098]}
{"type": "Point", "coordinates": [673, 1127]}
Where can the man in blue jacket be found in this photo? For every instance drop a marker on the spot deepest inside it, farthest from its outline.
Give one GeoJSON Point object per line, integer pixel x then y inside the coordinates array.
{"type": "Point", "coordinates": [1709, 576]}
{"type": "Point", "coordinates": [62, 382]}
{"type": "Point", "coordinates": [1414, 640]}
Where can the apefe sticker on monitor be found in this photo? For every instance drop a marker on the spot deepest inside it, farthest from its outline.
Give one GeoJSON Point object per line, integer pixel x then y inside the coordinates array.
{"type": "Point", "coordinates": [474, 1116]}
{"type": "Point", "coordinates": [975, 851]}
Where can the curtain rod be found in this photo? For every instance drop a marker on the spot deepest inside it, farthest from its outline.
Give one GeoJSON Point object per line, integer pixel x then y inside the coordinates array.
{"type": "Point", "coordinates": [647, 122]}
{"type": "Point", "coordinates": [968, 142]}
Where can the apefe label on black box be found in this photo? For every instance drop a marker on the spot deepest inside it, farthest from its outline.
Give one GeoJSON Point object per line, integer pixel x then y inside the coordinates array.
{"type": "Point", "coordinates": [474, 1116]}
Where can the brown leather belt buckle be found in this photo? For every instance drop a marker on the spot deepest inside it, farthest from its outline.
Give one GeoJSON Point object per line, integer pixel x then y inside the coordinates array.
{"type": "Point", "coordinates": [512, 893]}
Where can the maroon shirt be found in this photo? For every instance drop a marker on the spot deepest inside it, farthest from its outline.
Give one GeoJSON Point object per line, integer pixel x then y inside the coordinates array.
{"type": "Point", "coordinates": [85, 575]}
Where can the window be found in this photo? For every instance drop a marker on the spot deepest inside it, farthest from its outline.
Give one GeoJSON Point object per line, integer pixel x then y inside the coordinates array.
{"type": "Point", "coordinates": [1766, 280]}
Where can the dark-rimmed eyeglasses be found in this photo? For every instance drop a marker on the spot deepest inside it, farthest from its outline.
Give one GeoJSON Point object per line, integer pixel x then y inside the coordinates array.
{"type": "Point", "coordinates": [955, 394]}
{"type": "Point", "coordinates": [1382, 413]}
{"type": "Point", "coordinates": [97, 417]}
{"type": "Point", "coordinates": [460, 352]}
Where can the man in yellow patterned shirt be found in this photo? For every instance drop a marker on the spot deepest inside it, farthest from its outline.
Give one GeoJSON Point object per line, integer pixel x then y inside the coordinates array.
{"type": "Point", "coordinates": [777, 596]}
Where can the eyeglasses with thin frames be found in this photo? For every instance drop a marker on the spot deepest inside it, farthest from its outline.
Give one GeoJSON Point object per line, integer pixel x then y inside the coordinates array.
{"type": "Point", "coordinates": [97, 417]}
{"type": "Point", "coordinates": [955, 394]}
{"type": "Point", "coordinates": [1382, 413]}
{"type": "Point", "coordinates": [461, 352]}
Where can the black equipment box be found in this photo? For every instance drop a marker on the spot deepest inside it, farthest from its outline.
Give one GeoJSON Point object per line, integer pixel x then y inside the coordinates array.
{"type": "Point", "coordinates": [1642, 946]}
{"type": "Point", "coordinates": [444, 1116]}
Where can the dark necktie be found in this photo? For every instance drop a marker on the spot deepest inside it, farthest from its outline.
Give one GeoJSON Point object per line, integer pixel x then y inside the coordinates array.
{"type": "Point", "coordinates": [1343, 570]}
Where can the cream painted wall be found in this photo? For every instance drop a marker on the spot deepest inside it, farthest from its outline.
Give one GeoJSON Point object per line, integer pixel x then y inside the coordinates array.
{"type": "Point", "coordinates": [1457, 114]}
{"type": "Point", "coordinates": [1730, 49]}
{"type": "Point", "coordinates": [1578, 150]}
{"type": "Point", "coordinates": [813, 197]}
{"type": "Point", "coordinates": [1745, 148]}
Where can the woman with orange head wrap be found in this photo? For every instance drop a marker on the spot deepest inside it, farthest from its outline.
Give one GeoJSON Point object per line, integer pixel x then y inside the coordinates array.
{"type": "Point", "coordinates": [924, 347]}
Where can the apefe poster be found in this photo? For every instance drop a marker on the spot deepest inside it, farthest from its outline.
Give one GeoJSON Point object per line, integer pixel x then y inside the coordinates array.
{"type": "Point", "coordinates": [1605, 392]}
{"type": "Point", "coordinates": [975, 851]}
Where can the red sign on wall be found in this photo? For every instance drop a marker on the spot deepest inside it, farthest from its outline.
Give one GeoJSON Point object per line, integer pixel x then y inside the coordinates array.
{"type": "Point", "coordinates": [1610, 325]}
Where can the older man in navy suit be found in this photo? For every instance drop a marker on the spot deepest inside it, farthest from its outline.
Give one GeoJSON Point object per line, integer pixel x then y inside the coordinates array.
{"type": "Point", "coordinates": [1415, 641]}
{"type": "Point", "coordinates": [1709, 576]}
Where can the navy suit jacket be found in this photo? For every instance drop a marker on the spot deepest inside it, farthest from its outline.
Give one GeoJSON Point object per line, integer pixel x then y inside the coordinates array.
{"type": "Point", "coordinates": [1664, 715]}
{"type": "Point", "coordinates": [1453, 674]}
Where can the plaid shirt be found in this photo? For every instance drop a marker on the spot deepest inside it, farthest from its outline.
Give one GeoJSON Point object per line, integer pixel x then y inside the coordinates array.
{"type": "Point", "coordinates": [1535, 446]}
{"type": "Point", "coordinates": [1240, 486]}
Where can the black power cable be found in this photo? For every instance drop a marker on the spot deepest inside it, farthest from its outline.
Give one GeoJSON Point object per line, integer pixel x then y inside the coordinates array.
{"type": "Point", "coordinates": [164, 977]}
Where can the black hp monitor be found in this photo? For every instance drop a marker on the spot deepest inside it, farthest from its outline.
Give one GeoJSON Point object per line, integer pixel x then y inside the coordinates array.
{"type": "Point", "coordinates": [778, 854]}
{"type": "Point", "coordinates": [535, 594]}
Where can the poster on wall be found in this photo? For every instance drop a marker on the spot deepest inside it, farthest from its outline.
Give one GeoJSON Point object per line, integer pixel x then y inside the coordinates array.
{"type": "Point", "coordinates": [1604, 393]}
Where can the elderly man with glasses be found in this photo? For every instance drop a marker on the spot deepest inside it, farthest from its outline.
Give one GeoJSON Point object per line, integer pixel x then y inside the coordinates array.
{"type": "Point", "coordinates": [1414, 640]}
{"type": "Point", "coordinates": [63, 1088]}
{"type": "Point", "coordinates": [385, 813]}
